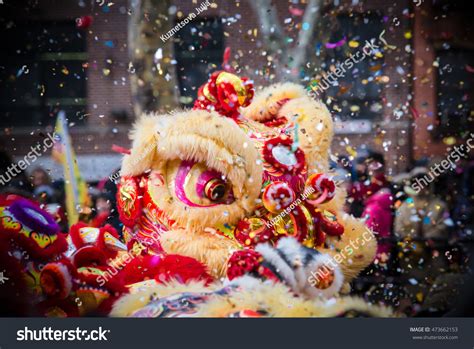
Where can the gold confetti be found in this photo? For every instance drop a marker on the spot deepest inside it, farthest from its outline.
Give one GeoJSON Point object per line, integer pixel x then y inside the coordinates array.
{"type": "Point", "coordinates": [353, 44]}
{"type": "Point", "coordinates": [449, 140]}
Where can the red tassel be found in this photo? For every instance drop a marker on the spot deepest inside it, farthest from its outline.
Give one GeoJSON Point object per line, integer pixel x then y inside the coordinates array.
{"type": "Point", "coordinates": [225, 61]}
{"type": "Point", "coordinates": [226, 56]}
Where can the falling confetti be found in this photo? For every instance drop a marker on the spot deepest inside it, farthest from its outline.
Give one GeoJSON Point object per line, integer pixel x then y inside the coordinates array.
{"type": "Point", "coordinates": [336, 44]}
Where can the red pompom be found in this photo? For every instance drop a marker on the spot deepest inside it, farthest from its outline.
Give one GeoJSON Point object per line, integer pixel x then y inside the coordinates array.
{"type": "Point", "coordinates": [101, 244]}
{"type": "Point", "coordinates": [163, 269]}
{"type": "Point", "coordinates": [330, 224]}
{"type": "Point", "coordinates": [326, 223]}
{"type": "Point", "coordinates": [183, 269]}
{"type": "Point", "coordinates": [56, 280]}
{"type": "Point", "coordinates": [323, 187]}
{"type": "Point", "coordinates": [277, 196]}
{"type": "Point", "coordinates": [252, 231]}
{"type": "Point", "coordinates": [225, 93]}
{"type": "Point", "coordinates": [89, 255]}
{"type": "Point", "coordinates": [74, 233]}
{"type": "Point", "coordinates": [290, 161]}
{"type": "Point", "coordinates": [319, 236]}
{"type": "Point", "coordinates": [243, 262]}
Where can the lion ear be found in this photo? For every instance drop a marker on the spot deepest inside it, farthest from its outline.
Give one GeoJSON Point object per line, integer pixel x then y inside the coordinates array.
{"type": "Point", "coordinates": [315, 130]}
{"type": "Point", "coordinates": [315, 125]}
{"type": "Point", "coordinates": [145, 137]}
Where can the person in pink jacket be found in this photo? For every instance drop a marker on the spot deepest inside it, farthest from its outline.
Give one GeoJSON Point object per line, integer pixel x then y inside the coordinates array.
{"type": "Point", "coordinates": [379, 218]}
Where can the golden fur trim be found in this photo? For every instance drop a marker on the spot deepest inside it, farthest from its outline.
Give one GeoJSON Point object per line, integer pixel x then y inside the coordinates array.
{"type": "Point", "coordinates": [264, 105]}
{"type": "Point", "coordinates": [277, 301]}
{"type": "Point", "coordinates": [356, 234]}
{"type": "Point", "coordinates": [209, 248]}
{"type": "Point", "coordinates": [357, 246]}
{"type": "Point", "coordinates": [144, 136]}
{"type": "Point", "coordinates": [141, 296]}
{"type": "Point", "coordinates": [273, 298]}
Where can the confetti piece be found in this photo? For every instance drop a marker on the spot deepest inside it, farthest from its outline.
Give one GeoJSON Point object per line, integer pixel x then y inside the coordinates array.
{"type": "Point", "coordinates": [400, 70]}
{"type": "Point", "coordinates": [382, 39]}
{"type": "Point", "coordinates": [353, 44]}
{"type": "Point", "coordinates": [22, 70]}
{"type": "Point", "coordinates": [449, 140]}
{"type": "Point", "coordinates": [355, 108]}
{"type": "Point", "coordinates": [375, 67]}
{"type": "Point", "coordinates": [295, 11]}
{"type": "Point", "coordinates": [84, 22]}
{"type": "Point", "coordinates": [158, 55]}
{"type": "Point", "coordinates": [415, 113]}
{"type": "Point", "coordinates": [336, 44]}
{"type": "Point", "coordinates": [318, 49]}
{"type": "Point", "coordinates": [351, 151]}
{"type": "Point", "coordinates": [419, 296]}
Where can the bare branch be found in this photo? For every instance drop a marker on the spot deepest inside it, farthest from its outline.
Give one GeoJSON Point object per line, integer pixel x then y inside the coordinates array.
{"type": "Point", "coordinates": [268, 18]}
{"type": "Point", "coordinates": [311, 15]}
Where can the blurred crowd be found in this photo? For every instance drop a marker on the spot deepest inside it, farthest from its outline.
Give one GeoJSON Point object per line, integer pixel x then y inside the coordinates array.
{"type": "Point", "coordinates": [424, 232]}
{"type": "Point", "coordinates": [424, 235]}
{"type": "Point", "coordinates": [36, 183]}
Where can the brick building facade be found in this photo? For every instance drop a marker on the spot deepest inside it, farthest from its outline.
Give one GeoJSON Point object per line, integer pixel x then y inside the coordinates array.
{"type": "Point", "coordinates": [106, 114]}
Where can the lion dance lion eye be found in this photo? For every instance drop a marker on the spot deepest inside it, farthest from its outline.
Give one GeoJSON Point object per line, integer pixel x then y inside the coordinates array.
{"type": "Point", "coordinates": [215, 189]}
{"type": "Point", "coordinates": [199, 186]}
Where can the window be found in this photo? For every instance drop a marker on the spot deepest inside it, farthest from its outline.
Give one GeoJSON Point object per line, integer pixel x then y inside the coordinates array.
{"type": "Point", "coordinates": [357, 94]}
{"type": "Point", "coordinates": [42, 71]}
{"type": "Point", "coordinates": [455, 84]}
{"type": "Point", "coordinates": [199, 49]}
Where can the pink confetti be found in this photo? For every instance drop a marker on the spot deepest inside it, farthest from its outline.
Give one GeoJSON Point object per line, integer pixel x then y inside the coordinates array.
{"type": "Point", "coordinates": [336, 44]}
{"type": "Point", "coordinates": [296, 11]}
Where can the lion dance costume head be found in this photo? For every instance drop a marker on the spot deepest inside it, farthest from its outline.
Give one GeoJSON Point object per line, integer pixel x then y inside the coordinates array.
{"type": "Point", "coordinates": [236, 171]}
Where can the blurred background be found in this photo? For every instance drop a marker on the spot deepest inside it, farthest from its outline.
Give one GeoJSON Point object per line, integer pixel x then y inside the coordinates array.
{"type": "Point", "coordinates": [397, 113]}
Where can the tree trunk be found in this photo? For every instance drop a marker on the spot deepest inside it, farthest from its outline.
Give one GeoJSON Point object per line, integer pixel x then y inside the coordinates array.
{"type": "Point", "coordinates": [288, 60]}
{"type": "Point", "coordinates": [153, 77]}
